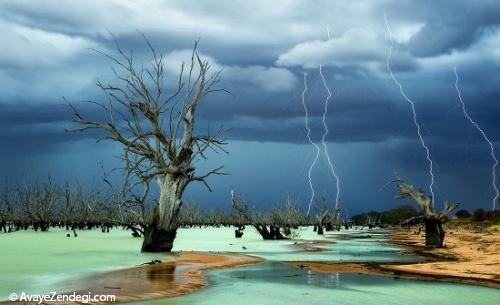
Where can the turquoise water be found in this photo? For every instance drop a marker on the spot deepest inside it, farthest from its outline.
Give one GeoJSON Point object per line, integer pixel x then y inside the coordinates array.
{"type": "Point", "coordinates": [36, 262]}
{"type": "Point", "coordinates": [335, 248]}
{"type": "Point", "coordinates": [275, 283]}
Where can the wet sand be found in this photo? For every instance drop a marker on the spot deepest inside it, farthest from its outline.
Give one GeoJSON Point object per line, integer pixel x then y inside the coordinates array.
{"type": "Point", "coordinates": [338, 267]}
{"type": "Point", "coordinates": [182, 274]}
{"type": "Point", "coordinates": [468, 257]}
{"type": "Point", "coordinates": [311, 245]}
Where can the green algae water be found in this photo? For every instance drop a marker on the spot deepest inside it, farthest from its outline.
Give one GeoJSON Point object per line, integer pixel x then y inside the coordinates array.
{"type": "Point", "coordinates": [276, 283]}
{"type": "Point", "coordinates": [334, 246]}
{"type": "Point", "coordinates": [36, 262]}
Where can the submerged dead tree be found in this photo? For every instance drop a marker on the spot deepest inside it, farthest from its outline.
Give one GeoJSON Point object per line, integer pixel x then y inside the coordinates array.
{"type": "Point", "coordinates": [6, 210]}
{"type": "Point", "coordinates": [432, 219]}
{"type": "Point", "coordinates": [38, 203]}
{"type": "Point", "coordinates": [268, 231]}
{"type": "Point", "coordinates": [156, 129]}
{"type": "Point", "coordinates": [323, 222]}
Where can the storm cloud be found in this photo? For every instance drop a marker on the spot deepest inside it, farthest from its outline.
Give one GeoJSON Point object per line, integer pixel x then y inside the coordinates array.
{"type": "Point", "coordinates": [262, 49]}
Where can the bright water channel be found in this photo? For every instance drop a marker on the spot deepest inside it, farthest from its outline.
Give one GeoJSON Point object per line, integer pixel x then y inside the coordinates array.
{"type": "Point", "coordinates": [36, 262]}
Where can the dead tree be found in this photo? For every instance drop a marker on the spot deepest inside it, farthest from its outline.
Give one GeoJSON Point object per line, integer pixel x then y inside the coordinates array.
{"type": "Point", "coordinates": [190, 215]}
{"type": "Point", "coordinates": [323, 216]}
{"type": "Point", "coordinates": [369, 222]}
{"type": "Point", "coordinates": [432, 219]}
{"type": "Point", "coordinates": [131, 206]}
{"type": "Point", "coordinates": [268, 231]}
{"type": "Point", "coordinates": [346, 222]}
{"type": "Point", "coordinates": [337, 219]}
{"type": "Point", "coordinates": [127, 205]}
{"type": "Point", "coordinates": [287, 216]}
{"type": "Point", "coordinates": [88, 209]}
{"type": "Point", "coordinates": [6, 210]}
{"type": "Point", "coordinates": [38, 202]}
{"type": "Point", "coordinates": [322, 219]}
{"type": "Point", "coordinates": [156, 128]}
{"type": "Point", "coordinates": [71, 198]}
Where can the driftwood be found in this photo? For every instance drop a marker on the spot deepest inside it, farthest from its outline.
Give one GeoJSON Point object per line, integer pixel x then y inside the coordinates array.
{"type": "Point", "coordinates": [153, 262]}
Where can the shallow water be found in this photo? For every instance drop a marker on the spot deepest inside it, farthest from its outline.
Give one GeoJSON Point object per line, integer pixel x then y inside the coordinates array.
{"type": "Point", "coordinates": [37, 262]}
{"type": "Point", "coordinates": [334, 247]}
{"type": "Point", "coordinates": [276, 283]}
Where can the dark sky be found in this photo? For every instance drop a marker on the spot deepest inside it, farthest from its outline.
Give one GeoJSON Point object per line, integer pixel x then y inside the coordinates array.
{"type": "Point", "coordinates": [263, 48]}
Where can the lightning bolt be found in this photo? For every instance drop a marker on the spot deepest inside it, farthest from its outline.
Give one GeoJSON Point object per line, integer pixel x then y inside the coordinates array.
{"type": "Point", "coordinates": [306, 121]}
{"type": "Point", "coordinates": [323, 138]}
{"type": "Point", "coordinates": [485, 137]}
{"type": "Point", "coordinates": [417, 125]}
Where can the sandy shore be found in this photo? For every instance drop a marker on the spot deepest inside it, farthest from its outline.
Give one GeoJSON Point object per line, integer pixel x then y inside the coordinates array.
{"type": "Point", "coordinates": [182, 274]}
{"type": "Point", "coordinates": [468, 257]}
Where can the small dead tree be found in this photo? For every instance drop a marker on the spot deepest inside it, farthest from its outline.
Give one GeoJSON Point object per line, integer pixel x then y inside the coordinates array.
{"type": "Point", "coordinates": [346, 222]}
{"type": "Point", "coordinates": [131, 205]}
{"type": "Point", "coordinates": [156, 128]}
{"type": "Point", "coordinates": [39, 202]}
{"type": "Point", "coordinates": [6, 210]}
{"type": "Point", "coordinates": [268, 231]}
{"type": "Point", "coordinates": [69, 202]}
{"type": "Point", "coordinates": [190, 215]}
{"type": "Point", "coordinates": [370, 223]}
{"type": "Point", "coordinates": [287, 216]}
{"type": "Point", "coordinates": [432, 219]}
{"type": "Point", "coordinates": [337, 219]}
{"type": "Point", "coordinates": [322, 216]}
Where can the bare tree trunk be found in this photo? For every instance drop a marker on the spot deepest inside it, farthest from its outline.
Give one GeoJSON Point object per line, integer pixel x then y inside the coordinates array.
{"type": "Point", "coordinates": [159, 236]}
{"type": "Point", "coordinates": [434, 233]}
{"type": "Point", "coordinates": [158, 240]}
{"type": "Point", "coordinates": [322, 221]}
{"type": "Point", "coordinates": [271, 233]}
{"type": "Point", "coordinates": [44, 227]}
{"type": "Point", "coordinates": [320, 230]}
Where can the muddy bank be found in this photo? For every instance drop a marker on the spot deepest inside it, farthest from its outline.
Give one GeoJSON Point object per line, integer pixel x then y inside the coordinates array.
{"type": "Point", "coordinates": [182, 274]}
{"type": "Point", "coordinates": [468, 257]}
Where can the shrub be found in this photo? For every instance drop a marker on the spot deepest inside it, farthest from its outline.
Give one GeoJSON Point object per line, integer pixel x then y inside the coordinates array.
{"type": "Point", "coordinates": [479, 215]}
{"type": "Point", "coordinates": [462, 214]}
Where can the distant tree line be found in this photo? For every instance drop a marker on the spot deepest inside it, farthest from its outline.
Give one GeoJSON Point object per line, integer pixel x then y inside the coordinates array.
{"type": "Point", "coordinates": [41, 206]}
{"type": "Point", "coordinates": [478, 215]}
{"type": "Point", "coordinates": [394, 216]}
{"type": "Point", "coordinates": [398, 215]}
